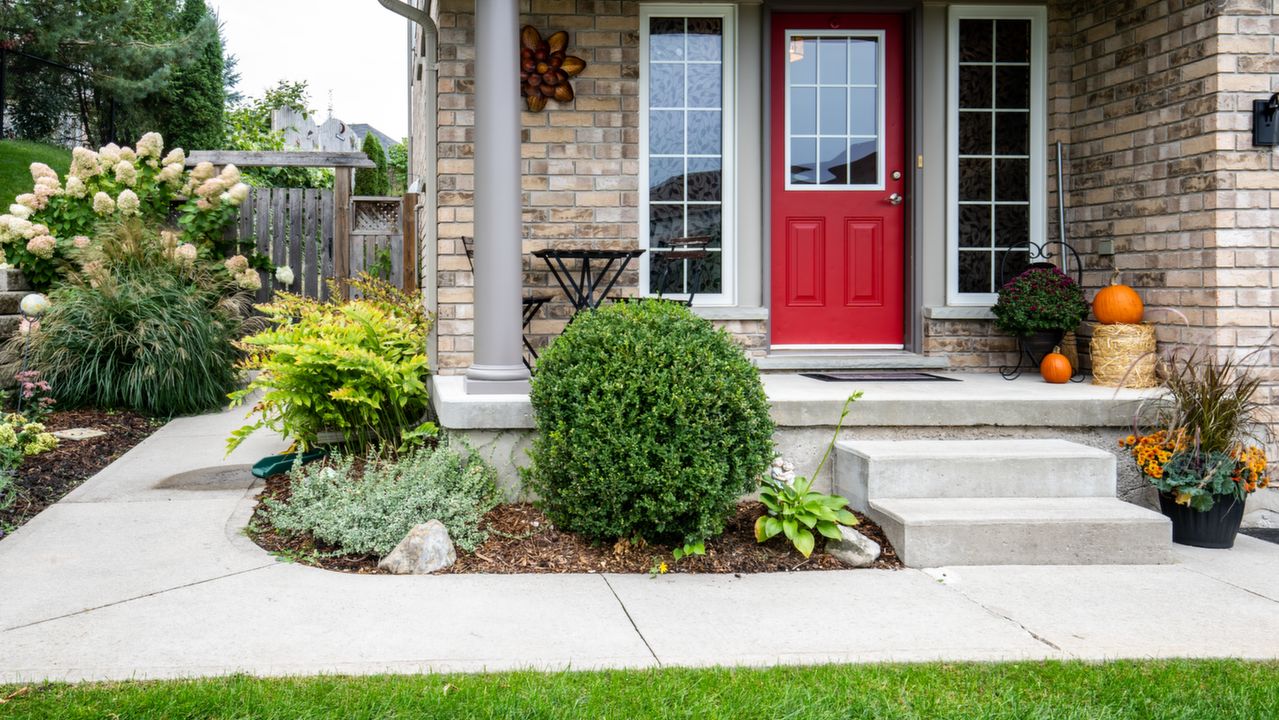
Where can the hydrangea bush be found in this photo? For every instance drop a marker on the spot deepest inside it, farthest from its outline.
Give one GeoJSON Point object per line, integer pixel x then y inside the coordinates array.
{"type": "Point", "coordinates": [43, 227]}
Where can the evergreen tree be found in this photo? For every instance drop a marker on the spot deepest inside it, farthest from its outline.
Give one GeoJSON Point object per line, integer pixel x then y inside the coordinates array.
{"type": "Point", "coordinates": [373, 181]}
{"type": "Point", "coordinates": [190, 113]}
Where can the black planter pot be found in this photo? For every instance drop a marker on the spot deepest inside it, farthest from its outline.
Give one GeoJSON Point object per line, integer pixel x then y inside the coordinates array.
{"type": "Point", "coordinates": [1040, 343]}
{"type": "Point", "coordinates": [1214, 528]}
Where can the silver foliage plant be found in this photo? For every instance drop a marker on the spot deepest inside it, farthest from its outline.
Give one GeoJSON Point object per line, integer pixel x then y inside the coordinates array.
{"type": "Point", "coordinates": [369, 515]}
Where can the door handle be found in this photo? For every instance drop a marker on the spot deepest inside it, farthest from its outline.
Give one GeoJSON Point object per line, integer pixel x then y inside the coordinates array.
{"type": "Point", "coordinates": [895, 199]}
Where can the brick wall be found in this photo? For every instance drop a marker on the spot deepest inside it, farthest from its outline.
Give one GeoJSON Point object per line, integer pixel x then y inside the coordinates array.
{"type": "Point", "coordinates": [580, 159]}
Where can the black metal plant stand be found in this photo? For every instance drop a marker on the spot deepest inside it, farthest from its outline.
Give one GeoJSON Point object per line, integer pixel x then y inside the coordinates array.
{"type": "Point", "coordinates": [1040, 255]}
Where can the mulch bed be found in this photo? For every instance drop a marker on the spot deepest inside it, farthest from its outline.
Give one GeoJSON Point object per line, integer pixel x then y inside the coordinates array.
{"type": "Point", "coordinates": [44, 479]}
{"type": "Point", "coordinates": [522, 540]}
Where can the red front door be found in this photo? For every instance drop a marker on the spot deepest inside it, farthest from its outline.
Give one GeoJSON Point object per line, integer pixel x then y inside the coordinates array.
{"type": "Point", "coordinates": [837, 179]}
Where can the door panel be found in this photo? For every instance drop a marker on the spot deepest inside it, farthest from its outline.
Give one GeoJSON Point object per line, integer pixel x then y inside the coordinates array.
{"type": "Point", "coordinates": [838, 146]}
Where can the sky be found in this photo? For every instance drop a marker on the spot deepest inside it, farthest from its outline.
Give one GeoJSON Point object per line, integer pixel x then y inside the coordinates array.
{"type": "Point", "coordinates": [354, 49]}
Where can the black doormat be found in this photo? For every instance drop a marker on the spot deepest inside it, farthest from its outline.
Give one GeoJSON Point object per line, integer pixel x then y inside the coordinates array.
{"type": "Point", "coordinates": [1270, 535]}
{"type": "Point", "coordinates": [877, 376]}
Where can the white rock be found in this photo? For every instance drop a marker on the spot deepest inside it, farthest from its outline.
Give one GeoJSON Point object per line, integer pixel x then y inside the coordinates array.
{"type": "Point", "coordinates": [424, 550]}
{"type": "Point", "coordinates": [854, 548]}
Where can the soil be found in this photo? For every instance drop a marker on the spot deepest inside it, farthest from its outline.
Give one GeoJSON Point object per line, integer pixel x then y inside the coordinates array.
{"type": "Point", "coordinates": [522, 540]}
{"type": "Point", "coordinates": [44, 479]}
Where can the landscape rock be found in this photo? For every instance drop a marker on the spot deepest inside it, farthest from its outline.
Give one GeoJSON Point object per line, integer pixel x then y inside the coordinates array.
{"type": "Point", "coordinates": [424, 550]}
{"type": "Point", "coordinates": [854, 548]}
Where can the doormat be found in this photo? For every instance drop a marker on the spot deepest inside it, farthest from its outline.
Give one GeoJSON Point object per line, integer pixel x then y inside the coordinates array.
{"type": "Point", "coordinates": [1270, 535]}
{"type": "Point", "coordinates": [877, 376]}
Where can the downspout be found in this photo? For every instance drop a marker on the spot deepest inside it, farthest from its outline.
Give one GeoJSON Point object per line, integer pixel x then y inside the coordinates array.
{"type": "Point", "coordinates": [428, 179]}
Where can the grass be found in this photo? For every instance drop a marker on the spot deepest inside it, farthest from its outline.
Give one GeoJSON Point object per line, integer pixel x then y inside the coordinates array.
{"type": "Point", "coordinates": [16, 157]}
{"type": "Point", "coordinates": [1168, 690]}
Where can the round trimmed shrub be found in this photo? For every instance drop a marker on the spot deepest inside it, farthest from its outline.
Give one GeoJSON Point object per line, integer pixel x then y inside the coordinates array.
{"type": "Point", "coordinates": [651, 423]}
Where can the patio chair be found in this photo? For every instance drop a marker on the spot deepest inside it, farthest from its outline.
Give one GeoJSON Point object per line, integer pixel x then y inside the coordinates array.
{"type": "Point", "coordinates": [532, 303]}
{"type": "Point", "coordinates": [690, 249]}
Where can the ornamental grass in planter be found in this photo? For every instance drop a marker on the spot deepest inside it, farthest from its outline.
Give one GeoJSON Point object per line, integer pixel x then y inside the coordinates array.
{"type": "Point", "coordinates": [1206, 451]}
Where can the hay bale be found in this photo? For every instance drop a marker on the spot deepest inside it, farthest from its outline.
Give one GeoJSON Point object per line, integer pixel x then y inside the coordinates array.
{"type": "Point", "coordinates": [1124, 355]}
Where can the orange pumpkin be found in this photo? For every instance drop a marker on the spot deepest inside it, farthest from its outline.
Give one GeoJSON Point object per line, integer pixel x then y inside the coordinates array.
{"type": "Point", "coordinates": [1117, 304]}
{"type": "Point", "coordinates": [1055, 367]}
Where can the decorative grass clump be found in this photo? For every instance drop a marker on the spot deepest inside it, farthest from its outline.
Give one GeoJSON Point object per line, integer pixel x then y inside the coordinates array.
{"type": "Point", "coordinates": [140, 329]}
{"type": "Point", "coordinates": [651, 423]}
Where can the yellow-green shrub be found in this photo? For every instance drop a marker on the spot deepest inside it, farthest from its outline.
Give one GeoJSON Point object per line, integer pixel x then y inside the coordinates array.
{"type": "Point", "coordinates": [356, 367]}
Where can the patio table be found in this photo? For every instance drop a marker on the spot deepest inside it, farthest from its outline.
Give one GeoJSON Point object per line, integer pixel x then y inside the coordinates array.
{"type": "Point", "coordinates": [583, 285]}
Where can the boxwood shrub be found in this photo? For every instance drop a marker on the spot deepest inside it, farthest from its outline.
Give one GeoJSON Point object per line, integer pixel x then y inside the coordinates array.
{"type": "Point", "coordinates": [651, 423]}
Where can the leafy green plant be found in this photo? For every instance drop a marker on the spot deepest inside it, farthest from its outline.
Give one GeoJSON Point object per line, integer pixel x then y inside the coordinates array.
{"type": "Point", "coordinates": [373, 181]}
{"type": "Point", "coordinates": [651, 423]}
{"type": "Point", "coordinates": [367, 509]}
{"type": "Point", "coordinates": [356, 367]}
{"type": "Point", "coordinates": [1040, 299]}
{"type": "Point", "coordinates": [21, 438]}
{"type": "Point", "coordinates": [140, 325]}
{"type": "Point", "coordinates": [248, 127]}
{"type": "Point", "coordinates": [794, 509]}
{"type": "Point", "coordinates": [40, 232]}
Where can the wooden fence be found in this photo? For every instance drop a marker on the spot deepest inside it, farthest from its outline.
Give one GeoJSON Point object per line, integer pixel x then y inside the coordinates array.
{"type": "Point", "coordinates": [323, 234]}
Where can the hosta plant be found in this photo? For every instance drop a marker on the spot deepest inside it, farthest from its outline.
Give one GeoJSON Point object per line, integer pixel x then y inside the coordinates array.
{"type": "Point", "coordinates": [794, 509]}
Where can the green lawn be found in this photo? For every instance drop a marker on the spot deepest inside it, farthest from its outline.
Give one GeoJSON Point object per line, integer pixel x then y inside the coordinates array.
{"type": "Point", "coordinates": [1167, 690]}
{"type": "Point", "coordinates": [16, 157]}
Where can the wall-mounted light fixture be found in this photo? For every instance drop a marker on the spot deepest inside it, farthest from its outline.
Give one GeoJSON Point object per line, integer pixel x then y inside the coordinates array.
{"type": "Point", "coordinates": [1265, 121]}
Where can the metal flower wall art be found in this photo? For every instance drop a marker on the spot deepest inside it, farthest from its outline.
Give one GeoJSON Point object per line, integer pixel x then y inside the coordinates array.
{"type": "Point", "coordinates": [545, 68]}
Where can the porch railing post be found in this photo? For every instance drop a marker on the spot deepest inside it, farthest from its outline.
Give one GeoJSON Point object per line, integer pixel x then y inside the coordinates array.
{"type": "Point", "coordinates": [498, 365]}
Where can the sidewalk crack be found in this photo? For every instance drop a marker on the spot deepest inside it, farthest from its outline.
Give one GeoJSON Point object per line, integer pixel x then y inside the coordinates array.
{"type": "Point", "coordinates": [1230, 584]}
{"type": "Point", "coordinates": [627, 612]}
{"type": "Point", "coordinates": [996, 613]}
{"type": "Point", "coordinates": [136, 597]}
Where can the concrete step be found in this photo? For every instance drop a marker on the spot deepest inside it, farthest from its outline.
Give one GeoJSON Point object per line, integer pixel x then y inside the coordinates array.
{"type": "Point", "coordinates": [12, 279]}
{"type": "Point", "coordinates": [870, 470]}
{"type": "Point", "coordinates": [932, 532]}
{"type": "Point", "coordinates": [10, 300]}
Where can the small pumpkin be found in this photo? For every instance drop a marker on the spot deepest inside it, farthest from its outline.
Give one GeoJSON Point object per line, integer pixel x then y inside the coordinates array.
{"type": "Point", "coordinates": [1117, 304]}
{"type": "Point", "coordinates": [1055, 367]}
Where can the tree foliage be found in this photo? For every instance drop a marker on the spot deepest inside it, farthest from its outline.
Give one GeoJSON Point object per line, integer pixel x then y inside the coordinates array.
{"type": "Point", "coordinates": [115, 68]}
{"type": "Point", "coordinates": [373, 181]}
{"type": "Point", "coordinates": [248, 127]}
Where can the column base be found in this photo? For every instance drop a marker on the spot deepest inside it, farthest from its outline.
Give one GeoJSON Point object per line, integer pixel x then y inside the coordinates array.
{"type": "Point", "coordinates": [497, 380]}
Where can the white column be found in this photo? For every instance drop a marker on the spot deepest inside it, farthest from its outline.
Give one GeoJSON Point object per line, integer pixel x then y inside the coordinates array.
{"type": "Point", "coordinates": [498, 365]}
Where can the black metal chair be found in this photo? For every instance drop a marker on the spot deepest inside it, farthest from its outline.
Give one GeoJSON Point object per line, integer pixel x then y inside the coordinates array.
{"type": "Point", "coordinates": [532, 303]}
{"type": "Point", "coordinates": [674, 251]}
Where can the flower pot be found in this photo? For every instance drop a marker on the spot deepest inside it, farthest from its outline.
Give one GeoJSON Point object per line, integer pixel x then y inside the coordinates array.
{"type": "Point", "coordinates": [1213, 528]}
{"type": "Point", "coordinates": [1040, 343]}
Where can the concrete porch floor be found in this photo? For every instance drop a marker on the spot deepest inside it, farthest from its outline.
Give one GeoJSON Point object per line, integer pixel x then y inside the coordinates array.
{"type": "Point", "coordinates": [134, 576]}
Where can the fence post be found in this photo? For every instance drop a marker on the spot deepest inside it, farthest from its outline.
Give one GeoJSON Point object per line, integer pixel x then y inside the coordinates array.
{"type": "Point", "coordinates": [343, 179]}
{"type": "Point", "coordinates": [408, 229]}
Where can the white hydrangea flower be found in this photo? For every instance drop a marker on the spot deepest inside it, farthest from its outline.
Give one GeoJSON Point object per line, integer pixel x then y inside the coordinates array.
{"type": "Point", "coordinates": [176, 156]}
{"type": "Point", "coordinates": [128, 202]}
{"type": "Point", "coordinates": [202, 172]}
{"type": "Point", "coordinates": [103, 204]}
{"type": "Point", "coordinates": [127, 154]}
{"type": "Point", "coordinates": [76, 187]}
{"type": "Point", "coordinates": [42, 246]}
{"type": "Point", "coordinates": [109, 155]}
{"type": "Point", "coordinates": [185, 253]}
{"type": "Point", "coordinates": [171, 174]}
{"type": "Point", "coordinates": [249, 280]}
{"type": "Point", "coordinates": [151, 145]}
{"type": "Point", "coordinates": [84, 163]}
{"type": "Point", "coordinates": [236, 264]}
{"type": "Point", "coordinates": [284, 275]}
{"type": "Point", "coordinates": [40, 170]}
{"type": "Point", "coordinates": [80, 242]}
{"type": "Point", "coordinates": [126, 173]}
{"type": "Point", "coordinates": [29, 200]}
{"type": "Point", "coordinates": [20, 211]}
{"type": "Point", "coordinates": [230, 175]}
{"type": "Point", "coordinates": [238, 193]}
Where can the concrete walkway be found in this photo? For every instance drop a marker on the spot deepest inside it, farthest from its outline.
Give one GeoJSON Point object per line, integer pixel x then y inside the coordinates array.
{"type": "Point", "coordinates": [138, 574]}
